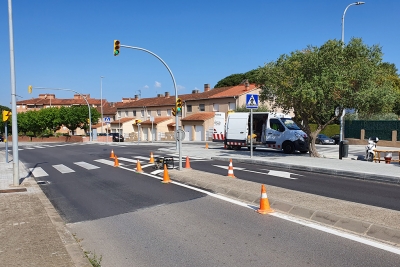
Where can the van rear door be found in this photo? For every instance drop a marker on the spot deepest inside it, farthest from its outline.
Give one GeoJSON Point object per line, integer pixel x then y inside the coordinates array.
{"type": "Point", "coordinates": [237, 127]}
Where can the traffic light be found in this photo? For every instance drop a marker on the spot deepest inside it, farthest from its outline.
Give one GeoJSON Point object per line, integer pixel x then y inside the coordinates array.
{"type": "Point", "coordinates": [6, 115]}
{"type": "Point", "coordinates": [30, 89]}
{"type": "Point", "coordinates": [137, 122]}
{"type": "Point", "coordinates": [174, 111]}
{"type": "Point", "coordinates": [116, 47]}
{"type": "Point", "coordinates": [178, 105]}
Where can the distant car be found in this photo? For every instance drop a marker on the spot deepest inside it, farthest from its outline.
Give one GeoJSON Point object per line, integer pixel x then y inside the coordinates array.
{"type": "Point", "coordinates": [116, 137]}
{"type": "Point", "coordinates": [1, 138]}
{"type": "Point", "coordinates": [324, 140]}
{"type": "Point", "coordinates": [336, 137]}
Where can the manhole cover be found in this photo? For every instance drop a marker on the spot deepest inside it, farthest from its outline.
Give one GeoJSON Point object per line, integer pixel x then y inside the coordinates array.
{"type": "Point", "coordinates": [41, 182]}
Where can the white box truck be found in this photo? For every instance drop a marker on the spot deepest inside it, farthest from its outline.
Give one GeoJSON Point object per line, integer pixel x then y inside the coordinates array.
{"type": "Point", "coordinates": [270, 130]}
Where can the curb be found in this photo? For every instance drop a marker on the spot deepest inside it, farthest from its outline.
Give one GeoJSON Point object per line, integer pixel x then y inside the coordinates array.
{"type": "Point", "coordinates": [349, 174]}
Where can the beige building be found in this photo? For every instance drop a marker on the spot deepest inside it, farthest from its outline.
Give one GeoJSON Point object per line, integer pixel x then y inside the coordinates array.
{"type": "Point", "coordinates": [197, 117]}
{"type": "Point", "coordinates": [157, 121]}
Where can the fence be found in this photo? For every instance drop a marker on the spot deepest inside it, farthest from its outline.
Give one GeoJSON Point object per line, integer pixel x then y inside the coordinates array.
{"type": "Point", "coordinates": [382, 129]}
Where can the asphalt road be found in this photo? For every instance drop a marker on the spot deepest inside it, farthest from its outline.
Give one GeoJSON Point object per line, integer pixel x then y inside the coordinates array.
{"type": "Point", "coordinates": [133, 219]}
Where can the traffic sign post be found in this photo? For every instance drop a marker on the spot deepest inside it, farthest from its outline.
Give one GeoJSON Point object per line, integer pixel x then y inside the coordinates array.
{"type": "Point", "coordinates": [107, 120]}
{"type": "Point", "coordinates": [251, 103]}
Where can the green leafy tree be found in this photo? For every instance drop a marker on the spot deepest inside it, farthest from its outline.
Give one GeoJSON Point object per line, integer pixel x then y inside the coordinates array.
{"type": "Point", "coordinates": [77, 116]}
{"type": "Point", "coordinates": [259, 109]}
{"type": "Point", "coordinates": [313, 82]}
{"type": "Point", "coordinates": [236, 79]}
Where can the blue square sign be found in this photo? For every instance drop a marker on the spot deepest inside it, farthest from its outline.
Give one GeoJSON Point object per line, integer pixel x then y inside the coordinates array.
{"type": "Point", "coordinates": [251, 101]}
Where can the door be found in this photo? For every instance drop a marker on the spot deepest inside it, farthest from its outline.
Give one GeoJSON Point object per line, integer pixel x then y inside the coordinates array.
{"type": "Point", "coordinates": [199, 129]}
{"type": "Point", "coordinates": [275, 132]}
{"type": "Point", "coordinates": [188, 132]}
{"type": "Point", "coordinates": [237, 127]}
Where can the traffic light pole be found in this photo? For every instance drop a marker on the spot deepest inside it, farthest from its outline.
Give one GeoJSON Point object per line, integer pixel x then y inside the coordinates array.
{"type": "Point", "coordinates": [178, 142]}
{"type": "Point", "coordinates": [84, 97]}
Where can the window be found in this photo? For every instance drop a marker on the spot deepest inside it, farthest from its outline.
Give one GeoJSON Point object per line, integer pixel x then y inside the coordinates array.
{"type": "Point", "coordinates": [134, 113]}
{"type": "Point", "coordinates": [215, 107]}
{"type": "Point", "coordinates": [189, 108]}
{"type": "Point", "coordinates": [126, 113]}
{"type": "Point", "coordinates": [232, 106]}
{"type": "Point", "coordinates": [168, 112]}
{"type": "Point", "coordinates": [276, 125]}
{"type": "Point", "coordinates": [148, 113]}
{"type": "Point", "coordinates": [119, 114]}
{"type": "Point", "coordinates": [142, 113]}
{"type": "Point", "coordinates": [201, 107]}
{"type": "Point", "coordinates": [158, 112]}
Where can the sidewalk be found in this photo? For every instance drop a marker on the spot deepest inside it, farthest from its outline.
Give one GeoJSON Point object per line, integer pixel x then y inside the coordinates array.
{"type": "Point", "coordinates": [31, 231]}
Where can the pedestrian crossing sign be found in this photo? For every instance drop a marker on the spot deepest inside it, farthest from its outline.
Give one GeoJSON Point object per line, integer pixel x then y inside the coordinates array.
{"type": "Point", "coordinates": [251, 101]}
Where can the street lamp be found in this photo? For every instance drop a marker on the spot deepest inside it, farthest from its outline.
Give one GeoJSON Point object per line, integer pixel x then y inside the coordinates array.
{"type": "Point", "coordinates": [101, 102]}
{"type": "Point", "coordinates": [344, 110]}
{"type": "Point", "coordinates": [344, 13]}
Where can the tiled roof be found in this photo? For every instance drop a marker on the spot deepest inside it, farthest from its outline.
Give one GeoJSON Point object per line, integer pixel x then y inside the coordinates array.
{"type": "Point", "coordinates": [107, 109]}
{"type": "Point", "coordinates": [59, 102]}
{"type": "Point", "coordinates": [157, 120]}
{"type": "Point", "coordinates": [201, 116]}
{"type": "Point", "coordinates": [221, 92]}
{"type": "Point", "coordinates": [122, 120]}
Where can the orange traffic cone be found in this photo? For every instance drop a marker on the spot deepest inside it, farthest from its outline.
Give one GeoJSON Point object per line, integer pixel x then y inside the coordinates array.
{"type": "Point", "coordinates": [112, 154]}
{"type": "Point", "coordinates": [230, 169]}
{"type": "Point", "coordinates": [138, 167]}
{"type": "Point", "coordinates": [151, 158]}
{"type": "Point", "coordinates": [116, 163]}
{"type": "Point", "coordinates": [264, 203]}
{"type": "Point", "coordinates": [206, 145]}
{"type": "Point", "coordinates": [187, 166]}
{"type": "Point", "coordinates": [166, 175]}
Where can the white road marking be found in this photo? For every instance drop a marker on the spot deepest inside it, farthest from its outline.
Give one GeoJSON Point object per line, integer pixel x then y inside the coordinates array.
{"type": "Point", "coordinates": [29, 148]}
{"type": "Point", "coordinates": [62, 168]}
{"type": "Point", "coordinates": [86, 165]}
{"type": "Point", "coordinates": [107, 162]}
{"type": "Point", "coordinates": [38, 172]}
{"type": "Point", "coordinates": [129, 160]}
{"type": "Point", "coordinates": [156, 172]}
{"type": "Point", "coordinates": [39, 146]}
{"type": "Point", "coordinates": [226, 167]}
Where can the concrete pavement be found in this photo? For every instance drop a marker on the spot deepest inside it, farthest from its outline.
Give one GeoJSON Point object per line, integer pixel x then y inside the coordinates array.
{"type": "Point", "coordinates": [33, 234]}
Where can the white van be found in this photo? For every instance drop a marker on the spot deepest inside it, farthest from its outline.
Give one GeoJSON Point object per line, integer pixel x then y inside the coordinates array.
{"type": "Point", "coordinates": [270, 130]}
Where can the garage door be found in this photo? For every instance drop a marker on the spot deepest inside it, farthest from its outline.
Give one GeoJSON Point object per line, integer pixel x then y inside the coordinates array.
{"type": "Point", "coordinates": [199, 132]}
{"type": "Point", "coordinates": [188, 132]}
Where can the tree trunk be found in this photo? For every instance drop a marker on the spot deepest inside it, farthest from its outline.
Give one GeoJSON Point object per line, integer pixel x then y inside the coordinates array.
{"type": "Point", "coordinates": [313, 150]}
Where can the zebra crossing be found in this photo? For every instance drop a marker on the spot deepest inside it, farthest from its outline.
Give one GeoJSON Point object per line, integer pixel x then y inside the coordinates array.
{"type": "Point", "coordinates": [41, 146]}
{"type": "Point", "coordinates": [98, 163]}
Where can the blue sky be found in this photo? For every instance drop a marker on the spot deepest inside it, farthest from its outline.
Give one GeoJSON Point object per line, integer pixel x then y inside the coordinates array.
{"type": "Point", "coordinates": [69, 44]}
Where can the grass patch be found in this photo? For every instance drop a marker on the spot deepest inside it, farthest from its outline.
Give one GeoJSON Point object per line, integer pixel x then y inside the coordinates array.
{"type": "Point", "coordinates": [93, 258]}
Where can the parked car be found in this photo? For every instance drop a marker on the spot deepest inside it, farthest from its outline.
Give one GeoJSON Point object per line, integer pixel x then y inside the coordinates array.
{"type": "Point", "coordinates": [116, 137]}
{"type": "Point", "coordinates": [336, 137]}
{"type": "Point", "coordinates": [1, 138]}
{"type": "Point", "coordinates": [324, 140]}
